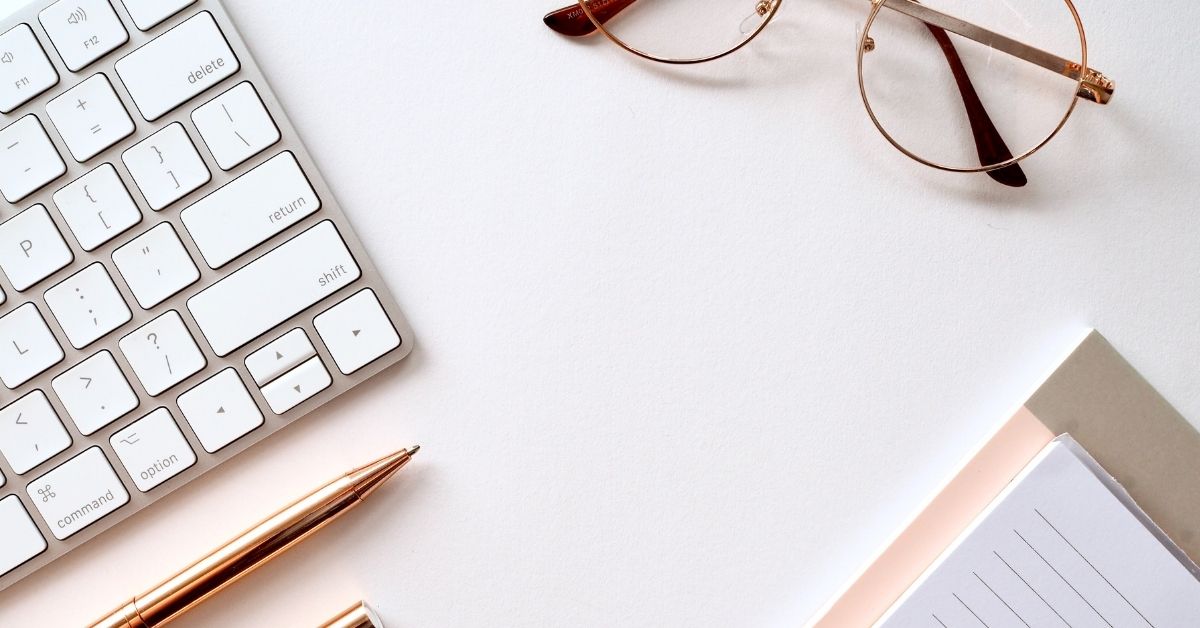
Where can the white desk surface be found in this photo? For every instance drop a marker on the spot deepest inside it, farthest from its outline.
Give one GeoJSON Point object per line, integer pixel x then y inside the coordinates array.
{"type": "Point", "coordinates": [691, 344]}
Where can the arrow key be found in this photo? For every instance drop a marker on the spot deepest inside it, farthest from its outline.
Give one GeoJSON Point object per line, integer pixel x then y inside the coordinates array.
{"type": "Point", "coordinates": [357, 331]}
{"type": "Point", "coordinates": [280, 356]}
{"type": "Point", "coordinates": [220, 410]}
{"type": "Point", "coordinates": [297, 385]}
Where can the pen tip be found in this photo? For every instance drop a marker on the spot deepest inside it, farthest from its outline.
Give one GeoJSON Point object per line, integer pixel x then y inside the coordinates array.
{"type": "Point", "coordinates": [367, 479]}
{"type": "Point", "coordinates": [412, 451]}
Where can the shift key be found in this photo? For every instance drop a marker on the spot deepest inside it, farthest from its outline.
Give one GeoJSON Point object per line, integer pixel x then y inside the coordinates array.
{"type": "Point", "coordinates": [273, 288]}
{"type": "Point", "coordinates": [177, 65]}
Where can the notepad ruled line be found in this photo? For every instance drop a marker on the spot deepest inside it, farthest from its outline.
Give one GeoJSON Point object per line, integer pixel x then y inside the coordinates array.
{"type": "Point", "coordinates": [1002, 600]}
{"type": "Point", "coordinates": [1089, 564]}
{"type": "Point", "coordinates": [1035, 591]}
{"type": "Point", "coordinates": [1063, 578]}
{"type": "Point", "coordinates": [971, 610]}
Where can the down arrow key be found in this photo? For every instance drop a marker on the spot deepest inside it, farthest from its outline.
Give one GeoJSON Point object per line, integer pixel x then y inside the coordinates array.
{"type": "Point", "coordinates": [297, 386]}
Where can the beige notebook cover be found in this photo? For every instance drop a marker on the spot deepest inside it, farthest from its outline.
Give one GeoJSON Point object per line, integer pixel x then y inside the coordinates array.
{"type": "Point", "coordinates": [1110, 410]}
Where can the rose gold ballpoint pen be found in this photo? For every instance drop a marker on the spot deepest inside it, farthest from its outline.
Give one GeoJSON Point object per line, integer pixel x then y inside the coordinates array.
{"type": "Point", "coordinates": [256, 546]}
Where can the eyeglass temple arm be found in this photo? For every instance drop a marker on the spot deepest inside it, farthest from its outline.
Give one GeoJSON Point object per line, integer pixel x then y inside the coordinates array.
{"type": "Point", "coordinates": [1095, 86]}
{"type": "Point", "coordinates": [573, 22]}
{"type": "Point", "coordinates": [988, 142]}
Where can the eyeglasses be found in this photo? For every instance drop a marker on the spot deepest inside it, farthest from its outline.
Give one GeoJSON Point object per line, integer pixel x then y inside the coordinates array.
{"type": "Point", "coordinates": [915, 63]}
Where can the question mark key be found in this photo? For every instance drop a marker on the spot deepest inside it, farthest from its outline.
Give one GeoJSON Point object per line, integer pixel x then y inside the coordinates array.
{"type": "Point", "coordinates": [162, 353]}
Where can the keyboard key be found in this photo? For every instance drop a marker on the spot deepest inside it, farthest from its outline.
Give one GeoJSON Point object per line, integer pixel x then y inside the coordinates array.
{"type": "Point", "coordinates": [77, 493]}
{"type": "Point", "coordinates": [177, 65]}
{"type": "Point", "coordinates": [28, 160]}
{"type": "Point", "coordinates": [147, 14]}
{"type": "Point", "coordinates": [22, 540]}
{"type": "Point", "coordinates": [357, 331]}
{"type": "Point", "coordinates": [236, 126]}
{"type": "Point", "coordinates": [251, 209]}
{"type": "Point", "coordinates": [25, 70]}
{"type": "Point", "coordinates": [156, 266]}
{"type": "Point", "coordinates": [97, 207]}
{"type": "Point", "coordinates": [88, 305]}
{"type": "Point", "coordinates": [297, 386]}
{"type": "Point", "coordinates": [162, 353]}
{"type": "Point", "coordinates": [90, 118]}
{"type": "Point", "coordinates": [95, 393]}
{"type": "Point", "coordinates": [273, 288]}
{"type": "Point", "coordinates": [83, 30]}
{"type": "Point", "coordinates": [27, 347]}
{"type": "Point", "coordinates": [31, 433]}
{"type": "Point", "coordinates": [220, 410]}
{"type": "Point", "coordinates": [279, 357]}
{"type": "Point", "coordinates": [166, 166]}
{"type": "Point", "coordinates": [153, 450]}
{"type": "Point", "coordinates": [31, 248]}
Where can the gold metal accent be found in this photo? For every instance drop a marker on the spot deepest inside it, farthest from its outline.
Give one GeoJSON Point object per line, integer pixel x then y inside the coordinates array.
{"type": "Point", "coordinates": [255, 547]}
{"type": "Point", "coordinates": [357, 616]}
{"type": "Point", "coordinates": [988, 38]}
{"type": "Point", "coordinates": [868, 44]}
{"type": "Point", "coordinates": [1094, 87]}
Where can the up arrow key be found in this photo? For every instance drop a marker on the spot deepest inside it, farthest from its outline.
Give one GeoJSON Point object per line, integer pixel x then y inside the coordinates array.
{"type": "Point", "coordinates": [221, 410]}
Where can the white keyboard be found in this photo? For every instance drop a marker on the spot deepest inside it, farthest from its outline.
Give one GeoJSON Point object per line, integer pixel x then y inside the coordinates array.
{"type": "Point", "coordinates": [176, 279]}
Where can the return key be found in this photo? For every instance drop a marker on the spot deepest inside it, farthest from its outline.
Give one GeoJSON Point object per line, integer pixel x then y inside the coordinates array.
{"type": "Point", "coordinates": [250, 209]}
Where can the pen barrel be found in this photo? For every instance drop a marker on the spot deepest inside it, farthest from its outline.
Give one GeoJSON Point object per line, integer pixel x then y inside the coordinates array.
{"type": "Point", "coordinates": [236, 559]}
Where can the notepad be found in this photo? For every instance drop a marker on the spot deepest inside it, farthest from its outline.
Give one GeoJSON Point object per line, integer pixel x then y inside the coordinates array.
{"type": "Point", "coordinates": [1062, 545]}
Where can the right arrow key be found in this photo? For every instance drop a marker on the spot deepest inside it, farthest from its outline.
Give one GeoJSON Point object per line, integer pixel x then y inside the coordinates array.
{"type": "Point", "coordinates": [357, 331]}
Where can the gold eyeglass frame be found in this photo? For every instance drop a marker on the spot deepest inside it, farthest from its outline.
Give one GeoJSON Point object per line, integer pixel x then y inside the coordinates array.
{"type": "Point", "coordinates": [1089, 84]}
{"type": "Point", "coordinates": [988, 38]}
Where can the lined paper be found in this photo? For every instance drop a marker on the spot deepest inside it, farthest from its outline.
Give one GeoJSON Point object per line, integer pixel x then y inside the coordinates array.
{"type": "Point", "coordinates": [1062, 546]}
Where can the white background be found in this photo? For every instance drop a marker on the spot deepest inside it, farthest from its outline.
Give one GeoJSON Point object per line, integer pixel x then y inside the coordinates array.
{"type": "Point", "coordinates": [691, 343]}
